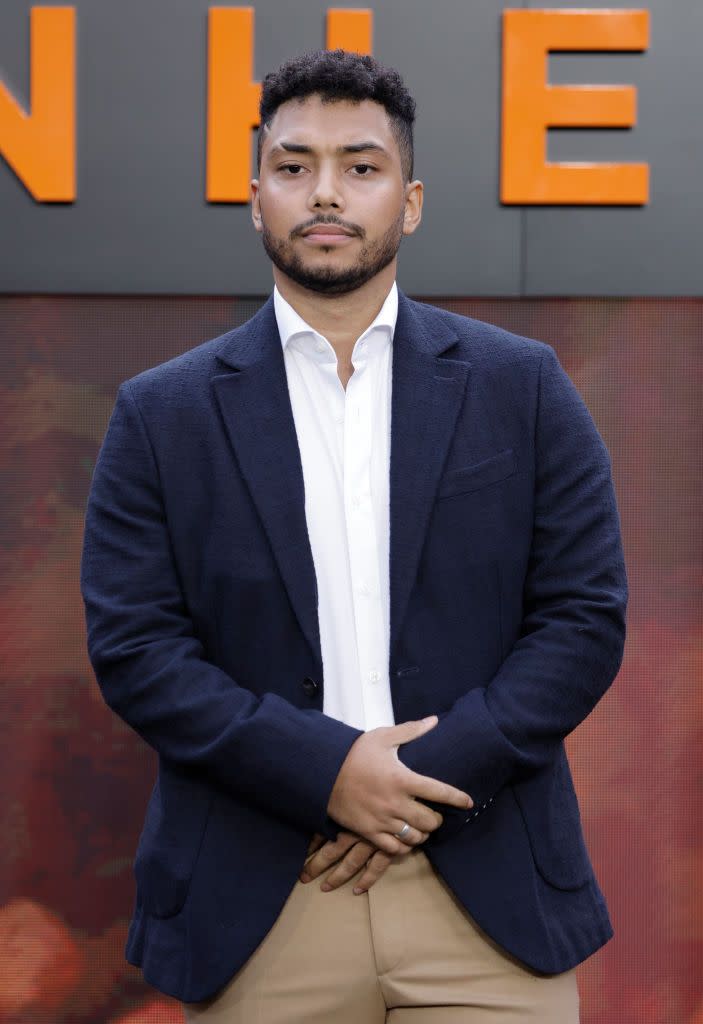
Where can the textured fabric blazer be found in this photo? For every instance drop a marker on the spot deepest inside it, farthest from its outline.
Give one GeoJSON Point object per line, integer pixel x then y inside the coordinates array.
{"type": "Point", "coordinates": [507, 610]}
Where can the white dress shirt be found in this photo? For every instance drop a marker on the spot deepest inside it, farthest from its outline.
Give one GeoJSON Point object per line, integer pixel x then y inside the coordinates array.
{"type": "Point", "coordinates": [344, 441]}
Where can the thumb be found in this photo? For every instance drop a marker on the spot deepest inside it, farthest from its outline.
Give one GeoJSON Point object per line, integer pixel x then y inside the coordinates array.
{"type": "Point", "coordinates": [407, 731]}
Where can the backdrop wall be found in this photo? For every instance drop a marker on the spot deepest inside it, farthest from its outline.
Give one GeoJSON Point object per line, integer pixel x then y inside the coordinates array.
{"type": "Point", "coordinates": [74, 781]}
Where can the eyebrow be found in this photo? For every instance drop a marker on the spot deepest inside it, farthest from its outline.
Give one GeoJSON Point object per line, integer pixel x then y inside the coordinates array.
{"type": "Point", "coordinates": [354, 147]}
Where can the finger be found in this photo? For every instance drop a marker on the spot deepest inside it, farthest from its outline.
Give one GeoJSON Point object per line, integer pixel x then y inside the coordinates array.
{"type": "Point", "coordinates": [349, 866]}
{"type": "Point", "coordinates": [413, 837]}
{"type": "Point", "coordinates": [417, 814]}
{"type": "Point", "coordinates": [386, 842]}
{"type": "Point", "coordinates": [426, 788]}
{"type": "Point", "coordinates": [375, 867]}
{"type": "Point", "coordinates": [405, 850]}
{"type": "Point", "coordinates": [327, 855]}
{"type": "Point", "coordinates": [315, 843]}
{"type": "Point", "coordinates": [408, 731]}
{"type": "Point", "coordinates": [420, 816]}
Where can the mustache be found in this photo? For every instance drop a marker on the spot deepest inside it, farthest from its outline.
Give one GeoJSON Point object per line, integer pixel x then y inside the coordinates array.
{"type": "Point", "coordinates": [356, 229]}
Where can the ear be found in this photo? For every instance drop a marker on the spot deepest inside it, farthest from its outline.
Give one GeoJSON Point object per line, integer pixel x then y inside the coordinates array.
{"type": "Point", "coordinates": [414, 192]}
{"type": "Point", "coordinates": [256, 205]}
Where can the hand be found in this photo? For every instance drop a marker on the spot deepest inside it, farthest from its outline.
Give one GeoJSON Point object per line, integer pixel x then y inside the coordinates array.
{"type": "Point", "coordinates": [375, 794]}
{"type": "Point", "coordinates": [350, 853]}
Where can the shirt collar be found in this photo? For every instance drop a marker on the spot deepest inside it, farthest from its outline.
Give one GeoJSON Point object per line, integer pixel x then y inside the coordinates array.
{"type": "Point", "coordinates": [291, 324]}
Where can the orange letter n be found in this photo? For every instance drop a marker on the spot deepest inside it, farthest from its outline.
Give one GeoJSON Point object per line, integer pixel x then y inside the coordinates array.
{"type": "Point", "coordinates": [531, 106]}
{"type": "Point", "coordinates": [41, 146]}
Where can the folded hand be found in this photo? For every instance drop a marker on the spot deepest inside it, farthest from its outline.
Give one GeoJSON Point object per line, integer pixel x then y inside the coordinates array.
{"type": "Point", "coordinates": [350, 853]}
{"type": "Point", "coordinates": [375, 795]}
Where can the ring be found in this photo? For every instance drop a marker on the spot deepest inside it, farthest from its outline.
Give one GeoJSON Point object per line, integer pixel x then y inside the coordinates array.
{"type": "Point", "coordinates": [403, 832]}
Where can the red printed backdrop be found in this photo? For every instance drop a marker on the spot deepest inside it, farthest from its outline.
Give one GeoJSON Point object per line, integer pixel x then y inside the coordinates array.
{"type": "Point", "coordinates": [74, 781]}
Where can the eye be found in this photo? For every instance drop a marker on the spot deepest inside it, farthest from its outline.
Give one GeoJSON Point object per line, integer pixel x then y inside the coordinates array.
{"type": "Point", "coordinates": [363, 169]}
{"type": "Point", "coordinates": [292, 168]}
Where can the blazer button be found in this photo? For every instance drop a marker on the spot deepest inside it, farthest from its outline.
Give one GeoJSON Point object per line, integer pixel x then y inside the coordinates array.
{"type": "Point", "coordinates": [310, 686]}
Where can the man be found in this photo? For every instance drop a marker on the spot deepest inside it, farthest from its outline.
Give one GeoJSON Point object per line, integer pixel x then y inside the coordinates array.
{"type": "Point", "coordinates": [354, 571]}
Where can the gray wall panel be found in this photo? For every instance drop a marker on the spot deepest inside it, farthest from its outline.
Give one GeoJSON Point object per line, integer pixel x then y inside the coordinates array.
{"type": "Point", "coordinates": [141, 223]}
{"type": "Point", "coordinates": [449, 53]}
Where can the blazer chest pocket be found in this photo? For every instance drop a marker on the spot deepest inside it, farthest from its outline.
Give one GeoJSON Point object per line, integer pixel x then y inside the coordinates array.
{"type": "Point", "coordinates": [480, 474]}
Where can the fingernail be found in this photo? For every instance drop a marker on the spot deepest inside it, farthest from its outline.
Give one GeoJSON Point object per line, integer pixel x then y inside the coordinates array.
{"type": "Point", "coordinates": [358, 892]}
{"type": "Point", "coordinates": [304, 877]}
{"type": "Point", "coordinates": [326, 887]}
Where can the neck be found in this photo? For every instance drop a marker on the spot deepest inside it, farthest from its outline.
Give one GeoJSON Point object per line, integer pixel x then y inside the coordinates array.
{"type": "Point", "coordinates": [339, 318]}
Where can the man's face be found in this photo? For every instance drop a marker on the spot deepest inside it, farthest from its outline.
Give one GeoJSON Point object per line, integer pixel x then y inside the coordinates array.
{"type": "Point", "coordinates": [331, 202]}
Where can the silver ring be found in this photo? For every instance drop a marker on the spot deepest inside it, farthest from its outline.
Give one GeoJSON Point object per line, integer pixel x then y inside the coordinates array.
{"type": "Point", "coordinates": [403, 832]}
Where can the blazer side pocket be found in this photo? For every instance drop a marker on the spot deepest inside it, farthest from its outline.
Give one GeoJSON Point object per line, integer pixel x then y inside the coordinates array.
{"type": "Point", "coordinates": [176, 819]}
{"type": "Point", "coordinates": [551, 814]}
{"type": "Point", "coordinates": [480, 474]}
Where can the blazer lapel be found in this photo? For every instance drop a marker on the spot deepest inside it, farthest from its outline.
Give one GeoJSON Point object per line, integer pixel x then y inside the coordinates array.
{"type": "Point", "coordinates": [253, 397]}
{"type": "Point", "coordinates": [258, 417]}
{"type": "Point", "coordinates": [427, 393]}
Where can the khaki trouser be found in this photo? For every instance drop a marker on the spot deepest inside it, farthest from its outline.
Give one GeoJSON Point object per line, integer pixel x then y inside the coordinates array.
{"type": "Point", "coordinates": [406, 952]}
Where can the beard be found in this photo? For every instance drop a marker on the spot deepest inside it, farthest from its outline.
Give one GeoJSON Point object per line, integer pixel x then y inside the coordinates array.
{"type": "Point", "coordinates": [327, 280]}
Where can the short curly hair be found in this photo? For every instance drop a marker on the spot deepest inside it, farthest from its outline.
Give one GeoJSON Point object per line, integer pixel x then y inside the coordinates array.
{"type": "Point", "coordinates": [336, 75]}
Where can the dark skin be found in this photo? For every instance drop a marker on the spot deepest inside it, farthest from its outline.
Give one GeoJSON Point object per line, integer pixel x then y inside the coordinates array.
{"type": "Point", "coordinates": [333, 205]}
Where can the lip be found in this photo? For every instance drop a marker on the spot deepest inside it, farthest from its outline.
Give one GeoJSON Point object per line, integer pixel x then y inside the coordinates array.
{"type": "Point", "coordinates": [324, 234]}
{"type": "Point", "coordinates": [325, 238]}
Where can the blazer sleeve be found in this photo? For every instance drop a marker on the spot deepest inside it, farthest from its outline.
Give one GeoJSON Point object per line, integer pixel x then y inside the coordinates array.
{"type": "Point", "coordinates": [152, 669]}
{"type": "Point", "coordinates": [573, 629]}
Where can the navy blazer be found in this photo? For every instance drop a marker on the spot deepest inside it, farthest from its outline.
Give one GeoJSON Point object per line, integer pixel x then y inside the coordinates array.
{"type": "Point", "coordinates": [507, 615]}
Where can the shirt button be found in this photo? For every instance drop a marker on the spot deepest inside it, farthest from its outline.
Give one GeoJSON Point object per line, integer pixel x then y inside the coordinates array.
{"type": "Point", "coordinates": [320, 346]}
{"type": "Point", "coordinates": [364, 590]}
{"type": "Point", "coordinates": [356, 501]}
{"type": "Point", "coordinates": [374, 676]}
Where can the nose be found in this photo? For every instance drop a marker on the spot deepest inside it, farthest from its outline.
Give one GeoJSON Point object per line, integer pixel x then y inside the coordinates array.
{"type": "Point", "coordinates": [326, 193]}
